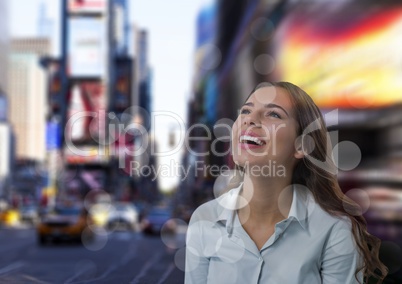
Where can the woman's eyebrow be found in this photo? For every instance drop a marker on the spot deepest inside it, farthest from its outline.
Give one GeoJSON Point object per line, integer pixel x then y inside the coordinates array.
{"type": "Point", "coordinates": [271, 105]}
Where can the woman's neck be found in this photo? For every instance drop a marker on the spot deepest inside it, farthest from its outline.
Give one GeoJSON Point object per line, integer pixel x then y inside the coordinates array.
{"type": "Point", "coordinates": [269, 199]}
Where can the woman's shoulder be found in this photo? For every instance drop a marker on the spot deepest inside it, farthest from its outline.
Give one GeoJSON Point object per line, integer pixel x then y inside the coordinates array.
{"type": "Point", "coordinates": [311, 213]}
{"type": "Point", "coordinates": [205, 211]}
{"type": "Point", "coordinates": [324, 219]}
{"type": "Point", "coordinates": [211, 210]}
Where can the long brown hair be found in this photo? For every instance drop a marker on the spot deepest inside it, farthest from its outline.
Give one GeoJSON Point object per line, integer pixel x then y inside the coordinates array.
{"type": "Point", "coordinates": [317, 172]}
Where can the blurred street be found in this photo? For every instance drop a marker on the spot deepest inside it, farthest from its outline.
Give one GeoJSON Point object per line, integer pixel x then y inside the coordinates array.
{"type": "Point", "coordinates": [120, 257]}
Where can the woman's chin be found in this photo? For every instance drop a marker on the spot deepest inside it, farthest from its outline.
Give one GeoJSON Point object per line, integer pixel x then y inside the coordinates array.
{"type": "Point", "coordinates": [248, 163]}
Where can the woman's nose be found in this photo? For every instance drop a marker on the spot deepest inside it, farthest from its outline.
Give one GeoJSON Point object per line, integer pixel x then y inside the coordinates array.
{"type": "Point", "coordinates": [251, 120]}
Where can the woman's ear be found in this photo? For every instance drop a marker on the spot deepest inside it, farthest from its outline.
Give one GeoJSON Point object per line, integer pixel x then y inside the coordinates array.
{"type": "Point", "coordinates": [299, 153]}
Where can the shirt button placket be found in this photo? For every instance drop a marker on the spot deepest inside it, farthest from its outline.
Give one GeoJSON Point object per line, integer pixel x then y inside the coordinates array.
{"type": "Point", "coordinates": [260, 265]}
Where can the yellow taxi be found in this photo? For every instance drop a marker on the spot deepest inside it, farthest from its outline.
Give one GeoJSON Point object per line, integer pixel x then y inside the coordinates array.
{"type": "Point", "coordinates": [10, 217]}
{"type": "Point", "coordinates": [65, 223]}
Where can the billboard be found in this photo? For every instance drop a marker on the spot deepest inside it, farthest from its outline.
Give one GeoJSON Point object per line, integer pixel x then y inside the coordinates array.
{"type": "Point", "coordinates": [347, 56]}
{"type": "Point", "coordinates": [87, 6]}
{"type": "Point", "coordinates": [206, 25]}
{"type": "Point", "coordinates": [53, 136]}
{"type": "Point", "coordinates": [78, 155]}
{"type": "Point", "coordinates": [86, 113]}
{"type": "Point", "coordinates": [81, 181]}
{"type": "Point", "coordinates": [87, 47]}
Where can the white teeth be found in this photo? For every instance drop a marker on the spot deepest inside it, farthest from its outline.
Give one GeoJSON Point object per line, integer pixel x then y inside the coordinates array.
{"type": "Point", "coordinates": [245, 138]}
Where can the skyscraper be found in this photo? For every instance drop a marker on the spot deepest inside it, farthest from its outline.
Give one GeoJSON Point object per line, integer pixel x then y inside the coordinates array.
{"type": "Point", "coordinates": [143, 71]}
{"type": "Point", "coordinates": [121, 26]}
{"type": "Point", "coordinates": [27, 96]}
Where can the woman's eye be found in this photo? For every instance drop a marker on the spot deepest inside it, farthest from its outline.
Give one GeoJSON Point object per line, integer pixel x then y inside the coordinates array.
{"type": "Point", "coordinates": [244, 111]}
{"type": "Point", "coordinates": [274, 114]}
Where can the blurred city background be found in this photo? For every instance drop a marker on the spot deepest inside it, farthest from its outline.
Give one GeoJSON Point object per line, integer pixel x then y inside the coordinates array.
{"type": "Point", "coordinates": [106, 107]}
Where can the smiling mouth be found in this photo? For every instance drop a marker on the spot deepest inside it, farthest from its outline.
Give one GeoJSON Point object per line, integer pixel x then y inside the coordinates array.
{"type": "Point", "coordinates": [251, 140]}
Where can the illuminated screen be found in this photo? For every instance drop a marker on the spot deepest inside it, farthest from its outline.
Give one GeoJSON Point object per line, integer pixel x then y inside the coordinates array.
{"type": "Point", "coordinates": [344, 55]}
{"type": "Point", "coordinates": [87, 47]}
{"type": "Point", "coordinates": [87, 6]}
{"type": "Point", "coordinates": [84, 180]}
{"type": "Point", "coordinates": [86, 115]}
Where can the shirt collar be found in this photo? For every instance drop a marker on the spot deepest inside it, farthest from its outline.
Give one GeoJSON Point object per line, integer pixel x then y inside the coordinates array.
{"type": "Point", "coordinates": [300, 203]}
{"type": "Point", "coordinates": [228, 206]}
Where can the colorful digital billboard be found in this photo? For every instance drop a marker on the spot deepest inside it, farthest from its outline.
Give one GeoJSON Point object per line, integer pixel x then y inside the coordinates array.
{"type": "Point", "coordinates": [80, 154]}
{"type": "Point", "coordinates": [86, 115]}
{"type": "Point", "coordinates": [87, 6]}
{"type": "Point", "coordinates": [344, 54]}
{"type": "Point", "coordinates": [52, 136]}
{"type": "Point", "coordinates": [81, 181]}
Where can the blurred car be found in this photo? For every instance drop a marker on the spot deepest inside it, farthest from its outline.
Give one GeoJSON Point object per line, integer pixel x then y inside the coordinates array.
{"type": "Point", "coordinates": [123, 216]}
{"type": "Point", "coordinates": [64, 223]}
{"type": "Point", "coordinates": [10, 217]}
{"type": "Point", "coordinates": [29, 214]}
{"type": "Point", "coordinates": [100, 213]}
{"type": "Point", "coordinates": [156, 219]}
{"type": "Point", "coordinates": [141, 208]}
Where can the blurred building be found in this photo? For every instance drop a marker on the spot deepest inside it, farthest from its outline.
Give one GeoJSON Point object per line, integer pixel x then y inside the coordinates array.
{"type": "Point", "coordinates": [27, 96]}
{"type": "Point", "coordinates": [146, 187]}
{"type": "Point", "coordinates": [93, 67]}
{"type": "Point", "coordinates": [202, 106]}
{"type": "Point", "coordinates": [121, 26]}
{"type": "Point", "coordinates": [97, 75]}
{"type": "Point", "coordinates": [143, 71]}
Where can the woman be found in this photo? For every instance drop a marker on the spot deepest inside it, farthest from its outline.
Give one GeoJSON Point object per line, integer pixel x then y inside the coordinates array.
{"type": "Point", "coordinates": [288, 220]}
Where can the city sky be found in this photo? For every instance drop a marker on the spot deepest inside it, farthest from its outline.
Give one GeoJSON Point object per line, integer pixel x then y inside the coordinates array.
{"type": "Point", "coordinates": [171, 27]}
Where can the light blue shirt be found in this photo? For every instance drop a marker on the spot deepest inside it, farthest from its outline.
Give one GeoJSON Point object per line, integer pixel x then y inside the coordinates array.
{"type": "Point", "coordinates": [310, 246]}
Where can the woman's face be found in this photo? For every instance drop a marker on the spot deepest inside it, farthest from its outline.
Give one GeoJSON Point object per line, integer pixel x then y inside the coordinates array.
{"type": "Point", "coordinates": [265, 131]}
